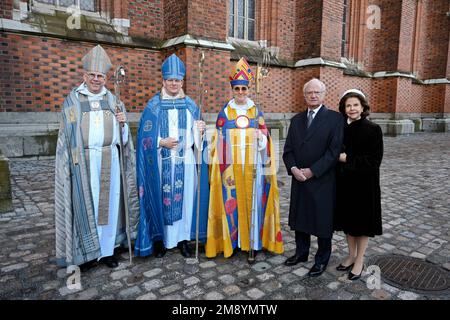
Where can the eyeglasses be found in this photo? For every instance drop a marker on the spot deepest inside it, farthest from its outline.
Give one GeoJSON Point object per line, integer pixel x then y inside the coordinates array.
{"type": "Point", "coordinates": [174, 81]}
{"type": "Point", "coordinates": [99, 76]}
{"type": "Point", "coordinates": [243, 89]}
{"type": "Point", "coordinates": [310, 93]}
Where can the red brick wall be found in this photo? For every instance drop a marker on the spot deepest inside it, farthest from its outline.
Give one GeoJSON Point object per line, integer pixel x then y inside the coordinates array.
{"type": "Point", "coordinates": [406, 35]}
{"type": "Point", "coordinates": [216, 88]}
{"type": "Point", "coordinates": [33, 76]}
{"type": "Point", "coordinates": [434, 40]}
{"type": "Point", "coordinates": [308, 29]}
{"type": "Point", "coordinates": [331, 30]}
{"type": "Point", "coordinates": [284, 33]}
{"type": "Point", "coordinates": [448, 56]}
{"type": "Point", "coordinates": [384, 95]}
{"type": "Point", "coordinates": [37, 73]}
{"type": "Point", "coordinates": [447, 100]}
{"type": "Point", "coordinates": [390, 95]}
{"type": "Point", "coordinates": [119, 8]}
{"type": "Point", "coordinates": [208, 18]}
{"type": "Point", "coordinates": [146, 18]}
{"type": "Point", "coordinates": [276, 22]}
{"type": "Point", "coordinates": [382, 45]}
{"type": "Point", "coordinates": [175, 18]}
{"type": "Point", "coordinates": [143, 75]}
{"type": "Point", "coordinates": [266, 21]}
{"type": "Point", "coordinates": [6, 9]}
{"type": "Point", "coordinates": [53, 62]}
{"type": "Point", "coordinates": [282, 90]}
{"type": "Point", "coordinates": [424, 99]}
{"type": "Point", "coordinates": [380, 93]}
{"type": "Point", "coordinates": [334, 88]}
{"type": "Point", "coordinates": [404, 94]}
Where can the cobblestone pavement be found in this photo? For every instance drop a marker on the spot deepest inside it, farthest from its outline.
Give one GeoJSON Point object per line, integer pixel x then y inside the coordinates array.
{"type": "Point", "coordinates": [416, 210]}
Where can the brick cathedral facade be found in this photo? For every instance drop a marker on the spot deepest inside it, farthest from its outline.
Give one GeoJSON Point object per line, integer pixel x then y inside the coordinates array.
{"type": "Point", "coordinates": [396, 51]}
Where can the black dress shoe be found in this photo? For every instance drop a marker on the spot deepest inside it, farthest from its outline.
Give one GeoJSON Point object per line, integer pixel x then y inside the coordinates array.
{"type": "Point", "coordinates": [184, 249]}
{"type": "Point", "coordinates": [341, 267]}
{"type": "Point", "coordinates": [159, 250]}
{"type": "Point", "coordinates": [88, 265]}
{"type": "Point", "coordinates": [292, 261]}
{"type": "Point", "coordinates": [317, 270]}
{"type": "Point", "coordinates": [110, 261]}
{"type": "Point", "coordinates": [353, 277]}
{"type": "Point", "coordinates": [235, 250]}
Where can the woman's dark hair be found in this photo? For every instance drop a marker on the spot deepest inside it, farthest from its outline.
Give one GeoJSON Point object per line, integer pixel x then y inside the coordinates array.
{"type": "Point", "coordinates": [361, 99]}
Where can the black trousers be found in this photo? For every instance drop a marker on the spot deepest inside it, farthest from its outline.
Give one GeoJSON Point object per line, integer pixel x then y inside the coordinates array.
{"type": "Point", "coordinates": [303, 242]}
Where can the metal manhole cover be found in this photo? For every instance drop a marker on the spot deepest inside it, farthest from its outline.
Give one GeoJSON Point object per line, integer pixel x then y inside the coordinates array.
{"type": "Point", "coordinates": [411, 273]}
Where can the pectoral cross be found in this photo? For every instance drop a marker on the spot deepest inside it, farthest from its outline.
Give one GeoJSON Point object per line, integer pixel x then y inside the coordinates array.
{"type": "Point", "coordinates": [97, 121]}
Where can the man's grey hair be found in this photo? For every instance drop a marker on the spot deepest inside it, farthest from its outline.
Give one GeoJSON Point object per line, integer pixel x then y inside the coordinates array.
{"type": "Point", "coordinates": [315, 80]}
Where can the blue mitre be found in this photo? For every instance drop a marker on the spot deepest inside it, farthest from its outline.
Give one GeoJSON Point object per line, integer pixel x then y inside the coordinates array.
{"type": "Point", "coordinates": [173, 68]}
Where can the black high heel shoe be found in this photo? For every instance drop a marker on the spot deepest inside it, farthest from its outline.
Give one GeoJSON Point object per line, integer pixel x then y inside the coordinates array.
{"type": "Point", "coordinates": [353, 277]}
{"type": "Point", "coordinates": [341, 267]}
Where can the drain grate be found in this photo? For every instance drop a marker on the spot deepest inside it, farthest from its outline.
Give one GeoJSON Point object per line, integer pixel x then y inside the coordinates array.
{"type": "Point", "coordinates": [411, 273]}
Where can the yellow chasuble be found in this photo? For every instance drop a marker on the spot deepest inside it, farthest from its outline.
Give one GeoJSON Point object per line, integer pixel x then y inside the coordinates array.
{"type": "Point", "coordinates": [231, 189]}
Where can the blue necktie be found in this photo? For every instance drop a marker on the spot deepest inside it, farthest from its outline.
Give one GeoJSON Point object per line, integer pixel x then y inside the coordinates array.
{"type": "Point", "coordinates": [310, 117]}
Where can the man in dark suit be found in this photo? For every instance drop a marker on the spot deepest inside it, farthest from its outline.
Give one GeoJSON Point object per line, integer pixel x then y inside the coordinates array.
{"type": "Point", "coordinates": [310, 154]}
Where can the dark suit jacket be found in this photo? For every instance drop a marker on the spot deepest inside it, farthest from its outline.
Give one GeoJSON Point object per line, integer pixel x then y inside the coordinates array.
{"type": "Point", "coordinates": [317, 147]}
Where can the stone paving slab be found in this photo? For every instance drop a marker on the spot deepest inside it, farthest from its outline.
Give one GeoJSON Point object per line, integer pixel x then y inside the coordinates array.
{"type": "Point", "coordinates": [416, 221]}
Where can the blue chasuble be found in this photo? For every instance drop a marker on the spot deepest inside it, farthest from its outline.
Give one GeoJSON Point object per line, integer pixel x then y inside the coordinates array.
{"type": "Point", "coordinates": [157, 194]}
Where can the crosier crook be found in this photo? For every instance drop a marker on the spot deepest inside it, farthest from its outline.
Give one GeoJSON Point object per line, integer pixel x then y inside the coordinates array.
{"type": "Point", "coordinates": [199, 155]}
{"type": "Point", "coordinates": [119, 77]}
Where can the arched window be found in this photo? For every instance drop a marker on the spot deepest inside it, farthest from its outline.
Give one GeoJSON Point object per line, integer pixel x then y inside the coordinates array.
{"type": "Point", "coordinates": [85, 5]}
{"type": "Point", "coordinates": [242, 19]}
{"type": "Point", "coordinates": [345, 30]}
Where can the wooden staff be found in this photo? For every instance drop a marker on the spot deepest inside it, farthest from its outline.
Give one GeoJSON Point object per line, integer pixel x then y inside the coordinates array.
{"type": "Point", "coordinates": [199, 155]}
{"type": "Point", "coordinates": [261, 73]}
{"type": "Point", "coordinates": [120, 78]}
{"type": "Point", "coordinates": [251, 252]}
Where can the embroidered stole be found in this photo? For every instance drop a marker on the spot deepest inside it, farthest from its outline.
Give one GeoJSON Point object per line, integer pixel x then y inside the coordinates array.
{"type": "Point", "coordinates": [173, 189]}
{"type": "Point", "coordinates": [237, 179]}
{"type": "Point", "coordinates": [103, 109]}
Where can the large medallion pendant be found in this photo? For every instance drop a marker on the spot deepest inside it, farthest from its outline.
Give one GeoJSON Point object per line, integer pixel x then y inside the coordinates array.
{"type": "Point", "coordinates": [242, 122]}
